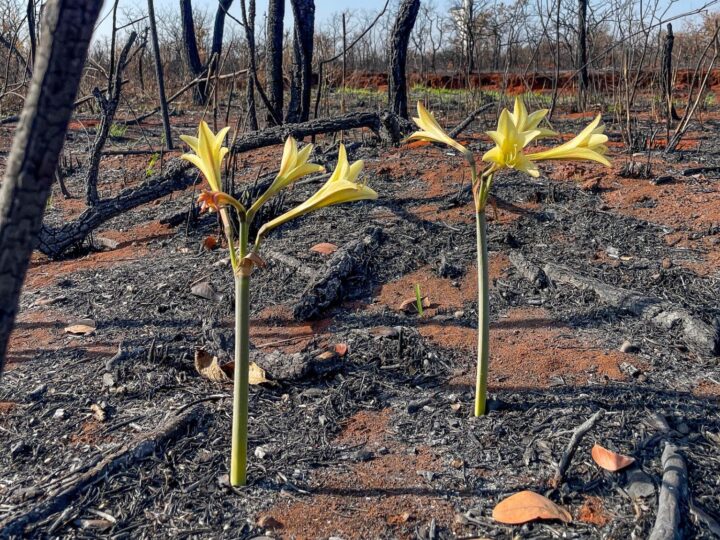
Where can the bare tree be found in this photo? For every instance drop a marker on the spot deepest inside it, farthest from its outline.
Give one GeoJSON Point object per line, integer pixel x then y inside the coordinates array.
{"type": "Point", "coordinates": [37, 145]}
{"type": "Point", "coordinates": [582, 57]}
{"type": "Point", "coordinates": [190, 47]}
{"type": "Point", "coordinates": [274, 57]}
{"type": "Point", "coordinates": [667, 76]}
{"type": "Point", "coordinates": [301, 84]}
{"type": "Point", "coordinates": [248, 20]}
{"type": "Point", "coordinates": [397, 53]}
{"type": "Point", "coordinates": [108, 106]}
{"type": "Point", "coordinates": [159, 75]}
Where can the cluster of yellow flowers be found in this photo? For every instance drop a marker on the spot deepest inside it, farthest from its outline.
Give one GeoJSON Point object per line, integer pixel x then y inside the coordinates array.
{"type": "Point", "coordinates": [515, 131]}
{"type": "Point", "coordinates": [341, 187]}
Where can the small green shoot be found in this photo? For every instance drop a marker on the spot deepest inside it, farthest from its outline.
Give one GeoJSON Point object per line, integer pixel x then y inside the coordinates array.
{"type": "Point", "coordinates": [418, 299]}
{"type": "Point", "coordinates": [117, 131]}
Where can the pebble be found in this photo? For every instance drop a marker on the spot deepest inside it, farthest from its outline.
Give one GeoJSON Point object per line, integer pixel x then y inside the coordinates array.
{"type": "Point", "coordinates": [666, 263]}
{"type": "Point", "coordinates": [108, 379]}
{"type": "Point", "coordinates": [639, 484]}
{"type": "Point", "coordinates": [629, 347]}
{"type": "Point", "coordinates": [59, 414]}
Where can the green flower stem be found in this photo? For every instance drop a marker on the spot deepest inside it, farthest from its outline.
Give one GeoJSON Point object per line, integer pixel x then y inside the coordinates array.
{"type": "Point", "coordinates": [483, 354]}
{"type": "Point", "coordinates": [238, 456]}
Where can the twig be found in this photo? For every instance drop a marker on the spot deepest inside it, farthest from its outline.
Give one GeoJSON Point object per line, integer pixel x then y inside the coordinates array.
{"type": "Point", "coordinates": [578, 434]}
{"type": "Point", "coordinates": [672, 496]}
{"type": "Point", "coordinates": [462, 126]}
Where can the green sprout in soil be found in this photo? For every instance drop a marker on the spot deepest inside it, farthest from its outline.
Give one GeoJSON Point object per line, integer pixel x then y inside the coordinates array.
{"type": "Point", "coordinates": [340, 188]}
{"type": "Point", "coordinates": [418, 299]}
{"type": "Point", "coordinates": [515, 131]}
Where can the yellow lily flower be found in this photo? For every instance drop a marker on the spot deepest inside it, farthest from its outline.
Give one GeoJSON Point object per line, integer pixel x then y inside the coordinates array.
{"type": "Point", "coordinates": [529, 122]}
{"type": "Point", "coordinates": [509, 144]}
{"type": "Point", "coordinates": [340, 188]}
{"type": "Point", "coordinates": [294, 165]}
{"type": "Point", "coordinates": [589, 144]}
{"type": "Point", "coordinates": [209, 153]}
{"type": "Point", "coordinates": [432, 132]}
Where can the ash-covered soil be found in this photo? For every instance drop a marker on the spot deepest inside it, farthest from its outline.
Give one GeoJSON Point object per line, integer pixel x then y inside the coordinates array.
{"type": "Point", "coordinates": [380, 442]}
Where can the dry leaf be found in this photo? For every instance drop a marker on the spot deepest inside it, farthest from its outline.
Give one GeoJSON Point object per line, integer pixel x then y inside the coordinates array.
{"type": "Point", "coordinates": [205, 290]}
{"type": "Point", "coordinates": [257, 375]}
{"type": "Point", "coordinates": [210, 243]}
{"type": "Point", "coordinates": [528, 506]}
{"type": "Point", "coordinates": [341, 349]}
{"type": "Point", "coordinates": [410, 305]}
{"type": "Point", "coordinates": [324, 248]}
{"type": "Point", "coordinates": [209, 367]}
{"type": "Point", "coordinates": [609, 460]}
{"type": "Point", "coordinates": [83, 327]}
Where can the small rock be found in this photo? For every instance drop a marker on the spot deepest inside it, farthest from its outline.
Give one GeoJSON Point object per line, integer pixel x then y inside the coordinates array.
{"type": "Point", "coordinates": [261, 452]}
{"type": "Point", "coordinates": [660, 180]}
{"type": "Point", "coordinates": [683, 428]}
{"type": "Point", "coordinates": [98, 412]}
{"type": "Point", "coordinates": [629, 347]}
{"type": "Point", "coordinates": [361, 456]}
{"type": "Point", "coordinates": [459, 314]}
{"type": "Point", "coordinates": [415, 406]}
{"type": "Point", "coordinates": [18, 449]}
{"type": "Point", "coordinates": [59, 414]}
{"type": "Point", "coordinates": [629, 369]}
{"type": "Point", "coordinates": [38, 392]}
{"type": "Point", "coordinates": [269, 522]}
{"type": "Point", "coordinates": [108, 380]}
{"type": "Point", "coordinates": [93, 524]}
{"type": "Point", "coordinates": [666, 263]}
{"type": "Point", "coordinates": [639, 484]}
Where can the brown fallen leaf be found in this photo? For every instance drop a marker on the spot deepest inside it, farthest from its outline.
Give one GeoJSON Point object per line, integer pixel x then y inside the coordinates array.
{"type": "Point", "coordinates": [209, 367]}
{"type": "Point", "coordinates": [205, 290]}
{"type": "Point", "coordinates": [609, 460]}
{"type": "Point", "coordinates": [410, 305]}
{"type": "Point", "coordinates": [528, 506]}
{"type": "Point", "coordinates": [341, 349]}
{"type": "Point", "coordinates": [83, 327]}
{"type": "Point", "coordinates": [324, 248]}
{"type": "Point", "coordinates": [210, 243]}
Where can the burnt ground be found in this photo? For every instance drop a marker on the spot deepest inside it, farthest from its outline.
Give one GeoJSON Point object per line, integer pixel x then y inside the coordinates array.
{"type": "Point", "coordinates": [383, 444]}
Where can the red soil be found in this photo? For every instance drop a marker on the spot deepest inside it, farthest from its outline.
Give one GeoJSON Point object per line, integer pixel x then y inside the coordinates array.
{"type": "Point", "coordinates": [445, 295]}
{"type": "Point", "coordinates": [384, 497]}
{"type": "Point", "coordinates": [530, 350]}
{"type": "Point", "coordinates": [275, 328]}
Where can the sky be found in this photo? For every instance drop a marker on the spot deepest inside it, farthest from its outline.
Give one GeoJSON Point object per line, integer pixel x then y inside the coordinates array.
{"type": "Point", "coordinates": [324, 9]}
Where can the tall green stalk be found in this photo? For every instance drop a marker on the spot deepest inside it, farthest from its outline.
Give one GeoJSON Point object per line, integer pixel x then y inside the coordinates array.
{"type": "Point", "coordinates": [238, 456]}
{"type": "Point", "coordinates": [483, 353]}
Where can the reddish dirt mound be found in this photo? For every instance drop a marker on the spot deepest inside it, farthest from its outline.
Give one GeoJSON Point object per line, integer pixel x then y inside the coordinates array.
{"type": "Point", "coordinates": [444, 294]}
{"type": "Point", "coordinates": [530, 350]}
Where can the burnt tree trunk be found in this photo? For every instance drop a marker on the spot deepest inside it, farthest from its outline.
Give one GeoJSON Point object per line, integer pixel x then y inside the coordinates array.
{"type": "Point", "coordinates": [32, 27]}
{"type": "Point", "coordinates": [582, 57]}
{"type": "Point", "coordinates": [190, 47]}
{"type": "Point", "coordinates": [37, 145]}
{"type": "Point", "coordinates": [248, 18]}
{"type": "Point", "coordinates": [274, 58]}
{"type": "Point", "coordinates": [159, 75]}
{"type": "Point", "coordinates": [304, 14]}
{"type": "Point", "coordinates": [397, 53]}
{"type": "Point", "coordinates": [666, 77]}
{"type": "Point", "coordinates": [108, 106]}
